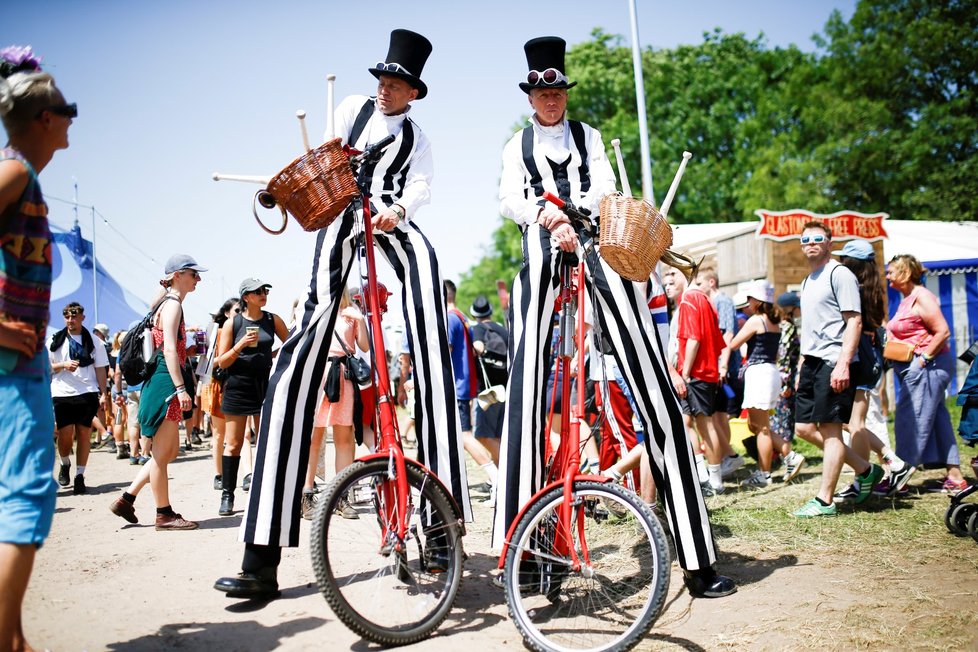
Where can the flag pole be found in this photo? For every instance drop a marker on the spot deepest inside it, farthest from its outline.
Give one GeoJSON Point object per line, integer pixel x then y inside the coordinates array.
{"type": "Point", "coordinates": [643, 125]}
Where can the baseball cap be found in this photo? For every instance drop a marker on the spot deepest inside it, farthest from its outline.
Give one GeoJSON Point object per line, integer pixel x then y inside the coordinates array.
{"type": "Point", "coordinates": [859, 249]}
{"type": "Point", "coordinates": [740, 300]}
{"type": "Point", "coordinates": [789, 300]}
{"type": "Point", "coordinates": [102, 328]}
{"type": "Point", "coordinates": [178, 262]}
{"type": "Point", "coordinates": [762, 291]}
{"type": "Point", "coordinates": [252, 284]}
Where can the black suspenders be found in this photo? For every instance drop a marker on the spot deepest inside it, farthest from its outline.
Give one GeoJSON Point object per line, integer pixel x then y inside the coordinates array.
{"type": "Point", "coordinates": [536, 181]}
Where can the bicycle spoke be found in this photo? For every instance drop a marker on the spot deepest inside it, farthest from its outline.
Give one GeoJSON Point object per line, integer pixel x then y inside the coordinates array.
{"type": "Point", "coordinates": [381, 587]}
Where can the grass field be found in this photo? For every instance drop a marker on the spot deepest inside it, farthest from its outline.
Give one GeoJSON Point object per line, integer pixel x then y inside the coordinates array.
{"type": "Point", "coordinates": [917, 584]}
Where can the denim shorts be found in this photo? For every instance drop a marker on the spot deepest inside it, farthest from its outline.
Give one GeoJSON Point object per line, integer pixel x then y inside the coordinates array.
{"type": "Point", "coordinates": [27, 485]}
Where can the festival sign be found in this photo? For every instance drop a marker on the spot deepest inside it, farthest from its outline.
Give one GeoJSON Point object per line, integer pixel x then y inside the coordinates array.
{"type": "Point", "coordinates": [845, 225]}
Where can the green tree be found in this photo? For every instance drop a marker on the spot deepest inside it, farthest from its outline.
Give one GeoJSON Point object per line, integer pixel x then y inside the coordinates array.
{"type": "Point", "coordinates": [916, 62]}
{"type": "Point", "coordinates": [703, 98]}
{"type": "Point", "coordinates": [883, 118]}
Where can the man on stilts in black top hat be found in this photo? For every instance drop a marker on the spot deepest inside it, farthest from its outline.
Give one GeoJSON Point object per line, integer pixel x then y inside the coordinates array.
{"type": "Point", "coordinates": [400, 183]}
{"type": "Point", "coordinates": [567, 158]}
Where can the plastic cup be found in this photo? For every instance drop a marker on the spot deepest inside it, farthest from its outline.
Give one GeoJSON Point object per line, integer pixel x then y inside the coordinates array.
{"type": "Point", "coordinates": [252, 329]}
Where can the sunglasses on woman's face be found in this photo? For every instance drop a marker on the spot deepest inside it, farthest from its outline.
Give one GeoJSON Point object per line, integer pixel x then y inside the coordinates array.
{"type": "Point", "coordinates": [64, 110]}
{"type": "Point", "coordinates": [192, 272]}
{"type": "Point", "coordinates": [263, 291]}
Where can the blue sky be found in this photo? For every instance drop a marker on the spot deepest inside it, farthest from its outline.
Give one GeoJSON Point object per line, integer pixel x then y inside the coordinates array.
{"type": "Point", "coordinates": [170, 92]}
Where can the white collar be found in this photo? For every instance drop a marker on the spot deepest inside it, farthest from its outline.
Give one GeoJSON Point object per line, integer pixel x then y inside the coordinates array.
{"type": "Point", "coordinates": [391, 119]}
{"type": "Point", "coordinates": [552, 130]}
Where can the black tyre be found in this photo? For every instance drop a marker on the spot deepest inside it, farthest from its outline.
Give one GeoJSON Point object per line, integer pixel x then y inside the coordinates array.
{"type": "Point", "coordinates": [956, 518]}
{"type": "Point", "coordinates": [973, 526]}
{"type": "Point", "coordinates": [385, 596]}
{"type": "Point", "coordinates": [610, 604]}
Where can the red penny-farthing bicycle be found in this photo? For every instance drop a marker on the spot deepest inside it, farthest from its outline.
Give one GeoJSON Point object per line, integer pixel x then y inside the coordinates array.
{"type": "Point", "coordinates": [585, 563]}
{"type": "Point", "coordinates": [392, 574]}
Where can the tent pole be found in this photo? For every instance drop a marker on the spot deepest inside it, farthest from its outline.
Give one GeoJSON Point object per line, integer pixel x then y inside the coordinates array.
{"type": "Point", "coordinates": [94, 268]}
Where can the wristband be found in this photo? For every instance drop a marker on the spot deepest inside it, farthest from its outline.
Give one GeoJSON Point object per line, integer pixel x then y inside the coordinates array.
{"type": "Point", "coordinates": [926, 357]}
{"type": "Point", "coordinates": [398, 211]}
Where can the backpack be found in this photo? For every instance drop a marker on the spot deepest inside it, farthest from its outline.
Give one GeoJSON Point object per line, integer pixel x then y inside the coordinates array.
{"type": "Point", "coordinates": [136, 353]}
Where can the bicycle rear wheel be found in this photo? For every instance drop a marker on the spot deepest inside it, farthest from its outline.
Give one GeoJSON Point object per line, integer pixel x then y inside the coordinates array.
{"type": "Point", "coordinates": [610, 604]}
{"type": "Point", "coordinates": [385, 596]}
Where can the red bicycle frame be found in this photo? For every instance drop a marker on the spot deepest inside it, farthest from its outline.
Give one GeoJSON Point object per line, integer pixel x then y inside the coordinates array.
{"type": "Point", "coordinates": [565, 467]}
{"type": "Point", "coordinates": [389, 444]}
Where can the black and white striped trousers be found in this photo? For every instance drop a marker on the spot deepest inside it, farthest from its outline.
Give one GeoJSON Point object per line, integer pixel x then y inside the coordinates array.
{"type": "Point", "coordinates": [273, 514]}
{"type": "Point", "coordinates": [626, 321]}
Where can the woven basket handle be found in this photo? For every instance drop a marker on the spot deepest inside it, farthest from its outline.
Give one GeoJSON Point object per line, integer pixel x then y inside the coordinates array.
{"type": "Point", "coordinates": [254, 211]}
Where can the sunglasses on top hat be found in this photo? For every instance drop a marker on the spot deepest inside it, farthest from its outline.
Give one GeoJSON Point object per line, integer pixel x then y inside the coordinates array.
{"type": "Point", "coordinates": [549, 77]}
{"type": "Point", "coordinates": [391, 67]}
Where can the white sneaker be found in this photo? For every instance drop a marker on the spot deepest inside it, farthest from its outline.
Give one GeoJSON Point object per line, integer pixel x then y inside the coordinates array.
{"type": "Point", "coordinates": [757, 480]}
{"type": "Point", "coordinates": [792, 465]}
{"type": "Point", "coordinates": [730, 464]}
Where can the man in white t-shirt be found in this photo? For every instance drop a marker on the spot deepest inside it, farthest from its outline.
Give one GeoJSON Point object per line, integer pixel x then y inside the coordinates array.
{"type": "Point", "coordinates": [79, 367]}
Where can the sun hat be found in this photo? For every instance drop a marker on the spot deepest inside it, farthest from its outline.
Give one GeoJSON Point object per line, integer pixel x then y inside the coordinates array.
{"type": "Point", "coordinates": [761, 290]}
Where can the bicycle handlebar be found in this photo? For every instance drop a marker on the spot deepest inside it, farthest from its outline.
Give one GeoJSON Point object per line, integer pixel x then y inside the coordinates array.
{"type": "Point", "coordinates": [581, 214]}
{"type": "Point", "coordinates": [371, 153]}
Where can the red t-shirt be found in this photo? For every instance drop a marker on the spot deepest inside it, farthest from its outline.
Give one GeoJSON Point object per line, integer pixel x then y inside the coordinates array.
{"type": "Point", "coordinates": [698, 321]}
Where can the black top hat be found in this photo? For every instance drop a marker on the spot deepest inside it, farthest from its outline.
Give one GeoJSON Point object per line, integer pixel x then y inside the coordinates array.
{"type": "Point", "coordinates": [542, 54]}
{"type": "Point", "coordinates": [480, 307]}
{"type": "Point", "coordinates": [406, 57]}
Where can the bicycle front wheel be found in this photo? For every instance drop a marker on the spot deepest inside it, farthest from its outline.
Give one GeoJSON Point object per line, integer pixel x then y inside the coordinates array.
{"type": "Point", "coordinates": [610, 603]}
{"type": "Point", "coordinates": [388, 592]}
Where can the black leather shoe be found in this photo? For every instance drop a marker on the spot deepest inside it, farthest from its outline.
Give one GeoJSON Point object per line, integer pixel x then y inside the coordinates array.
{"type": "Point", "coordinates": [227, 504]}
{"type": "Point", "coordinates": [436, 557]}
{"type": "Point", "coordinates": [707, 583]}
{"type": "Point", "coordinates": [252, 586]}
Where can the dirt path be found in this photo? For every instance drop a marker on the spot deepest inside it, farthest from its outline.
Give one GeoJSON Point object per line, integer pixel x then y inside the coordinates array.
{"type": "Point", "coordinates": [102, 584]}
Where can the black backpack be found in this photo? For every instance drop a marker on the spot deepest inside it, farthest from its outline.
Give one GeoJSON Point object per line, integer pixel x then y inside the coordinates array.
{"type": "Point", "coordinates": [133, 364]}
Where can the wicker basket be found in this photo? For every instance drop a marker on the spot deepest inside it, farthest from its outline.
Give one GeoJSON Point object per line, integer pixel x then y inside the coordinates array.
{"type": "Point", "coordinates": [316, 187]}
{"type": "Point", "coordinates": [633, 236]}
